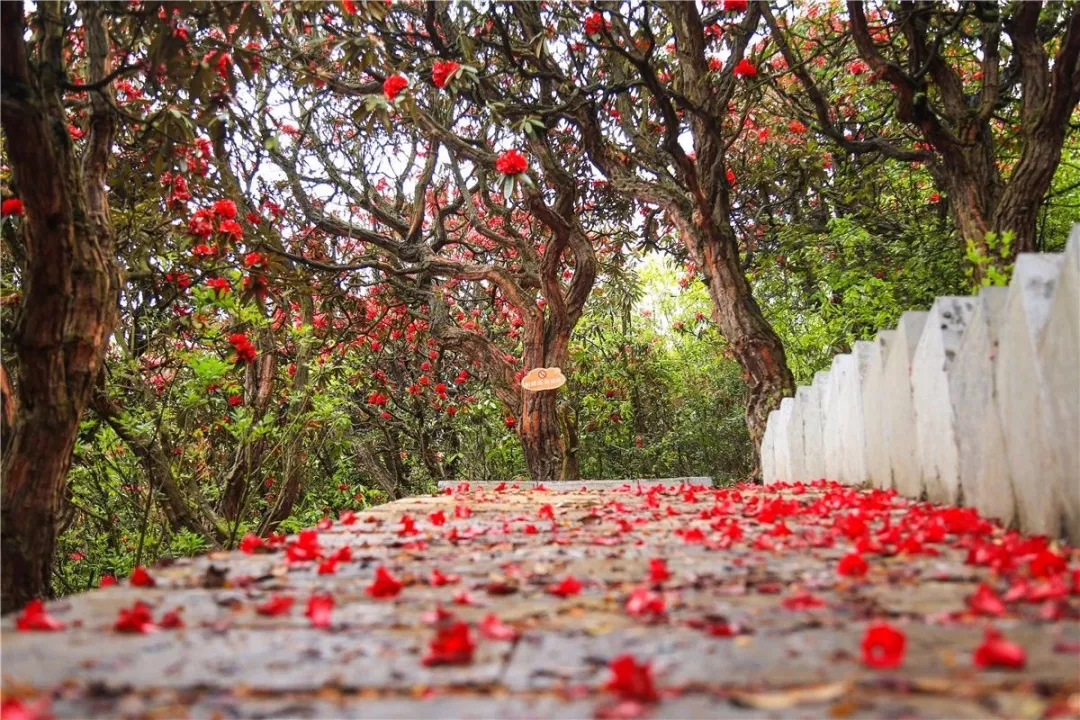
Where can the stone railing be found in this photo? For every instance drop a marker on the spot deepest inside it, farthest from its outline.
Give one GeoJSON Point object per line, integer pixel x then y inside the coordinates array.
{"type": "Point", "coordinates": [976, 402]}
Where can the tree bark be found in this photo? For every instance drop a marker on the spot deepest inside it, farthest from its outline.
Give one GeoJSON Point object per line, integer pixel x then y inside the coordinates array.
{"type": "Point", "coordinates": [71, 285]}
{"type": "Point", "coordinates": [541, 436]}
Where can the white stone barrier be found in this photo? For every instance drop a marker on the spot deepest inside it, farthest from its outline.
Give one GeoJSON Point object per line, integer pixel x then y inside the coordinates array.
{"type": "Point", "coordinates": [1022, 404]}
{"type": "Point", "coordinates": [1059, 349]}
{"type": "Point", "coordinates": [983, 468]}
{"type": "Point", "coordinates": [877, 451]}
{"type": "Point", "coordinates": [900, 438]}
{"type": "Point", "coordinates": [976, 402]}
{"type": "Point", "coordinates": [935, 421]}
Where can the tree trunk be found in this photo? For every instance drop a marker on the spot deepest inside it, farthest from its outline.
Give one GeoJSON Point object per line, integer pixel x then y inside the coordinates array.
{"type": "Point", "coordinates": [754, 343]}
{"type": "Point", "coordinates": [541, 437]}
{"type": "Point", "coordinates": [71, 288]}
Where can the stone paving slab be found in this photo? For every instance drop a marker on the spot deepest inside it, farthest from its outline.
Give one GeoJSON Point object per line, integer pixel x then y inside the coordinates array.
{"type": "Point", "coordinates": [755, 620]}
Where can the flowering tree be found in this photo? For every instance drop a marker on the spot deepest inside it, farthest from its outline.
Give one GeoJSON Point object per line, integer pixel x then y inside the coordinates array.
{"type": "Point", "coordinates": [982, 94]}
{"type": "Point", "coordinates": [655, 119]}
{"type": "Point", "coordinates": [65, 75]}
{"type": "Point", "coordinates": [447, 208]}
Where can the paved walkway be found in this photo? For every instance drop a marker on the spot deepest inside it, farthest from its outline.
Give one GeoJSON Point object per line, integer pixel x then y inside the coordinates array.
{"type": "Point", "coordinates": [759, 606]}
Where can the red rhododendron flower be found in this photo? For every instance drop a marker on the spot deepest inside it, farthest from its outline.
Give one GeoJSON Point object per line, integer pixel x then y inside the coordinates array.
{"type": "Point", "coordinates": [11, 206]}
{"type": "Point", "coordinates": [136, 619]}
{"type": "Point", "coordinates": [319, 608]}
{"type": "Point", "coordinates": [441, 72]}
{"type": "Point", "coordinates": [595, 24]}
{"type": "Point", "coordinates": [997, 652]}
{"type": "Point", "coordinates": [632, 680]}
{"type": "Point", "coordinates": [569, 586]}
{"type": "Point", "coordinates": [1047, 563]}
{"type": "Point", "coordinates": [986, 602]}
{"type": "Point", "coordinates": [493, 628]}
{"type": "Point", "coordinates": [172, 620]}
{"type": "Point", "coordinates": [305, 547]}
{"type": "Point", "coordinates": [883, 646]}
{"type": "Point", "coordinates": [34, 617]}
{"type": "Point", "coordinates": [141, 578]}
{"type": "Point", "coordinates": [547, 512]}
{"type": "Point", "coordinates": [225, 209]}
{"type": "Point", "coordinates": [745, 68]}
{"type": "Point", "coordinates": [275, 605]}
{"type": "Point", "coordinates": [393, 85]}
{"type": "Point", "coordinates": [219, 285]}
{"type": "Point", "coordinates": [658, 570]}
{"type": "Point", "coordinates": [348, 517]}
{"type": "Point", "coordinates": [852, 565]}
{"type": "Point", "coordinates": [349, 6]}
{"type": "Point", "coordinates": [797, 127]}
{"type": "Point", "coordinates": [452, 645]}
{"type": "Point", "coordinates": [511, 162]}
{"type": "Point", "coordinates": [384, 585]}
{"type": "Point", "coordinates": [735, 5]}
{"type": "Point", "coordinates": [107, 580]}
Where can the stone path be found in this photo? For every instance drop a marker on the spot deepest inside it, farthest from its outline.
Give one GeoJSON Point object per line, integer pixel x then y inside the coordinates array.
{"type": "Point", "coordinates": [756, 619]}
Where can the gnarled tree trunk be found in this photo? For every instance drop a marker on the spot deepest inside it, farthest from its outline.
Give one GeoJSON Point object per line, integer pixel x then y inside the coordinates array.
{"type": "Point", "coordinates": [72, 284]}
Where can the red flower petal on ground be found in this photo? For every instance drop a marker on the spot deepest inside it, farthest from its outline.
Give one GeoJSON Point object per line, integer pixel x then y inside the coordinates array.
{"type": "Point", "coordinates": [631, 680]}
{"type": "Point", "coordinates": [1047, 563]}
{"type": "Point", "coordinates": [136, 619]}
{"type": "Point", "coordinates": [437, 518]}
{"type": "Point", "coordinates": [35, 618]}
{"type": "Point", "coordinates": [384, 585]}
{"type": "Point", "coordinates": [393, 85]}
{"type": "Point", "coordinates": [141, 578]}
{"type": "Point", "coordinates": [493, 628]}
{"type": "Point", "coordinates": [319, 608]}
{"type": "Point", "coordinates": [107, 580]}
{"type": "Point", "coordinates": [986, 602]}
{"type": "Point", "coordinates": [275, 605]}
{"type": "Point", "coordinates": [172, 619]}
{"type": "Point", "coordinates": [438, 578]}
{"type": "Point", "coordinates": [347, 518]}
{"type": "Point", "coordinates": [511, 162]}
{"type": "Point", "coordinates": [802, 600]}
{"type": "Point", "coordinates": [997, 652]}
{"type": "Point", "coordinates": [569, 586]}
{"type": "Point", "coordinates": [453, 645]}
{"type": "Point", "coordinates": [643, 601]}
{"type": "Point", "coordinates": [658, 570]}
{"type": "Point", "coordinates": [852, 565]}
{"type": "Point", "coordinates": [253, 543]}
{"type": "Point", "coordinates": [883, 646]}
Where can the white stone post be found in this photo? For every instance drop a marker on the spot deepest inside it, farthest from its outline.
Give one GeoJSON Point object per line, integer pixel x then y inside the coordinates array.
{"type": "Point", "coordinates": [1059, 356]}
{"type": "Point", "coordinates": [813, 421]}
{"type": "Point", "coordinates": [852, 430]}
{"type": "Point", "coordinates": [877, 454]}
{"type": "Point", "coordinates": [783, 451]}
{"type": "Point", "coordinates": [931, 374]}
{"type": "Point", "coordinates": [981, 460]}
{"type": "Point", "coordinates": [1022, 403]}
{"type": "Point", "coordinates": [768, 451]}
{"type": "Point", "coordinates": [900, 437]}
{"type": "Point", "coordinates": [830, 408]}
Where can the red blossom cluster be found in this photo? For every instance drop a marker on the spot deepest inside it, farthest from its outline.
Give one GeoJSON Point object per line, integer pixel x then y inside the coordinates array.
{"type": "Point", "coordinates": [511, 162]}
{"type": "Point", "coordinates": [442, 71]}
{"type": "Point", "coordinates": [244, 350]}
